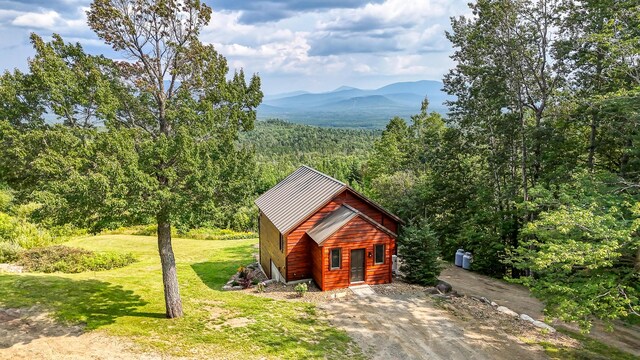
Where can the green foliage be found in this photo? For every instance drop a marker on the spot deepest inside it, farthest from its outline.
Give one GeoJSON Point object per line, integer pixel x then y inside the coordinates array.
{"type": "Point", "coordinates": [147, 230]}
{"type": "Point", "coordinates": [17, 231]}
{"type": "Point", "coordinates": [581, 250]}
{"type": "Point", "coordinates": [301, 289]}
{"type": "Point", "coordinates": [418, 251]}
{"type": "Point", "coordinates": [217, 234]}
{"type": "Point", "coordinates": [9, 252]}
{"type": "Point", "coordinates": [66, 259]}
{"type": "Point", "coordinates": [590, 349]}
{"type": "Point", "coordinates": [281, 147]}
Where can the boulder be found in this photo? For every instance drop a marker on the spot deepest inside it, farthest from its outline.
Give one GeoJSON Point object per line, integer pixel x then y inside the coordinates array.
{"type": "Point", "coordinates": [545, 326]}
{"type": "Point", "coordinates": [10, 268]}
{"type": "Point", "coordinates": [494, 304]}
{"type": "Point", "coordinates": [506, 310]}
{"type": "Point", "coordinates": [526, 317]}
{"type": "Point", "coordinates": [443, 287]}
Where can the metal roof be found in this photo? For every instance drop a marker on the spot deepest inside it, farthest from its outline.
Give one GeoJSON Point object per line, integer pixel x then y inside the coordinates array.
{"type": "Point", "coordinates": [331, 223]}
{"type": "Point", "coordinates": [297, 196]}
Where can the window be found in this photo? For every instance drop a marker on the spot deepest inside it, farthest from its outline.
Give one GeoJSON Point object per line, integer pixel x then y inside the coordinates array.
{"type": "Point", "coordinates": [379, 254]}
{"type": "Point", "coordinates": [335, 259]}
{"type": "Point", "coordinates": [281, 242]}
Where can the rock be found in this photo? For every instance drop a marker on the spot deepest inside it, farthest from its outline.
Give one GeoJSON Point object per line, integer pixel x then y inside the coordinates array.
{"type": "Point", "coordinates": [443, 287]}
{"type": "Point", "coordinates": [13, 312]}
{"type": "Point", "coordinates": [494, 304]}
{"type": "Point", "coordinates": [338, 295]}
{"type": "Point", "coordinates": [10, 268]}
{"type": "Point", "coordinates": [542, 325]}
{"type": "Point", "coordinates": [485, 300]}
{"type": "Point", "coordinates": [506, 310]}
{"type": "Point", "coordinates": [526, 317]}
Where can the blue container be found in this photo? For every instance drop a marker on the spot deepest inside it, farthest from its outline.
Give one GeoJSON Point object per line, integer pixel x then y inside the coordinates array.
{"type": "Point", "coordinates": [459, 255]}
{"type": "Point", "coordinates": [466, 260]}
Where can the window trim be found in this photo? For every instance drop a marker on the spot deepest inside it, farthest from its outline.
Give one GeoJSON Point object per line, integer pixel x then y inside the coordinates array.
{"type": "Point", "coordinates": [331, 259]}
{"type": "Point", "coordinates": [281, 243]}
{"type": "Point", "coordinates": [375, 254]}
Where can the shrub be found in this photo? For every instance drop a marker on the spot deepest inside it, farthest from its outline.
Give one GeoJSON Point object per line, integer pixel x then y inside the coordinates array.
{"type": "Point", "coordinates": [145, 230]}
{"type": "Point", "coordinates": [217, 234]}
{"type": "Point", "coordinates": [418, 249]}
{"type": "Point", "coordinates": [301, 289]}
{"type": "Point", "coordinates": [9, 252]}
{"type": "Point", "coordinates": [66, 259]}
{"type": "Point", "coordinates": [246, 277]}
{"type": "Point", "coordinates": [107, 261]}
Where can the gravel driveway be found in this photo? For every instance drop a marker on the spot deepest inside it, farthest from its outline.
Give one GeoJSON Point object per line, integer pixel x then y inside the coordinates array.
{"type": "Point", "coordinates": [412, 327]}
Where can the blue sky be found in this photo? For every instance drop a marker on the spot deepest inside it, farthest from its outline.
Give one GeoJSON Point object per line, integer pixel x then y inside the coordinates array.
{"type": "Point", "coordinates": [314, 45]}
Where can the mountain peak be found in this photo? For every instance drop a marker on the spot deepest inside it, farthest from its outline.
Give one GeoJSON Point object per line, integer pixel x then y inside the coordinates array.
{"type": "Point", "coordinates": [344, 88]}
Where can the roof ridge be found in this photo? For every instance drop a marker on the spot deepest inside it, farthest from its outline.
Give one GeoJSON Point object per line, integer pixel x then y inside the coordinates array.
{"type": "Point", "coordinates": [323, 174]}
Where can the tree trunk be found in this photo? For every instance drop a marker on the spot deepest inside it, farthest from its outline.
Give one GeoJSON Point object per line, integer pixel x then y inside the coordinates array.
{"type": "Point", "coordinates": [592, 141]}
{"type": "Point", "coordinates": [169, 274]}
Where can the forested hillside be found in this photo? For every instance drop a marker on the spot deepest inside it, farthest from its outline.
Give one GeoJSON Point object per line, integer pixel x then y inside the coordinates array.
{"type": "Point", "coordinates": [280, 147]}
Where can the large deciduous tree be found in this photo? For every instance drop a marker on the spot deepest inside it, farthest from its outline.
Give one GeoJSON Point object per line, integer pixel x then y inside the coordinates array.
{"type": "Point", "coordinates": [182, 103]}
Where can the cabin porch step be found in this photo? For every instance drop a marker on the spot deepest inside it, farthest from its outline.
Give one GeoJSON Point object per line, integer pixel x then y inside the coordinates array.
{"type": "Point", "coordinates": [362, 290]}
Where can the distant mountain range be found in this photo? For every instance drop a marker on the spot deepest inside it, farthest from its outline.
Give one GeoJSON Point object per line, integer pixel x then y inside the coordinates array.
{"type": "Point", "coordinates": [352, 107]}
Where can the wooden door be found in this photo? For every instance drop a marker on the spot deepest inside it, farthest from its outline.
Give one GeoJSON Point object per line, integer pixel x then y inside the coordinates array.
{"type": "Point", "coordinates": [357, 265]}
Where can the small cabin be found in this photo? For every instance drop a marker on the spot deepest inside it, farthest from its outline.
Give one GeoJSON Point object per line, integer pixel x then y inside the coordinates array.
{"type": "Point", "coordinates": [312, 226]}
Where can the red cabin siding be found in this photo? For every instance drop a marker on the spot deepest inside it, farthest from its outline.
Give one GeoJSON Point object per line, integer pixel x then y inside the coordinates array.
{"type": "Point", "coordinates": [306, 260]}
{"type": "Point", "coordinates": [358, 234]}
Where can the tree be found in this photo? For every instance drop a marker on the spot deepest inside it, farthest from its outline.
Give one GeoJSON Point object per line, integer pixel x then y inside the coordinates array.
{"type": "Point", "coordinates": [582, 250]}
{"type": "Point", "coordinates": [418, 251]}
{"type": "Point", "coordinates": [179, 99]}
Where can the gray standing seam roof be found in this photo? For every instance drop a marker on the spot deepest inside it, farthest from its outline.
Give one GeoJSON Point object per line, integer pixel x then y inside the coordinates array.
{"type": "Point", "coordinates": [331, 223]}
{"type": "Point", "coordinates": [295, 197]}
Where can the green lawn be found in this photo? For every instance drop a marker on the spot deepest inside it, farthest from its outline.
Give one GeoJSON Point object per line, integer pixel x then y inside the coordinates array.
{"type": "Point", "coordinates": [129, 302]}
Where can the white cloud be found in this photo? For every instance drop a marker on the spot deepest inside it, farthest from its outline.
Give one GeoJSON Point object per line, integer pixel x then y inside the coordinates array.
{"type": "Point", "coordinates": [369, 46]}
{"type": "Point", "coordinates": [42, 20]}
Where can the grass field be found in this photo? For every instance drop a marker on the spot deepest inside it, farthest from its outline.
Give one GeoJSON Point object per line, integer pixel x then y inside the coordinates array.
{"type": "Point", "coordinates": [129, 302]}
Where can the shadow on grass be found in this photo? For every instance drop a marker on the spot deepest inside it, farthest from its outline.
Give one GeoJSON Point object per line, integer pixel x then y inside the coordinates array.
{"type": "Point", "coordinates": [215, 274]}
{"type": "Point", "coordinates": [90, 302]}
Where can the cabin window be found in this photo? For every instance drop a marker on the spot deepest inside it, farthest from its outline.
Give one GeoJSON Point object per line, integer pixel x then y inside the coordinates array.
{"type": "Point", "coordinates": [379, 254]}
{"type": "Point", "coordinates": [335, 259]}
{"type": "Point", "coordinates": [281, 242]}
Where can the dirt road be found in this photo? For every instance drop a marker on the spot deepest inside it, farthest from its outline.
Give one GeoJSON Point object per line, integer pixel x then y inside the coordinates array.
{"type": "Point", "coordinates": [411, 327]}
{"type": "Point", "coordinates": [519, 299]}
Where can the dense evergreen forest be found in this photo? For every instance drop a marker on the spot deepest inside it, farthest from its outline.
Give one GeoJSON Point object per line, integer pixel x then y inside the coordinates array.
{"type": "Point", "coordinates": [535, 169]}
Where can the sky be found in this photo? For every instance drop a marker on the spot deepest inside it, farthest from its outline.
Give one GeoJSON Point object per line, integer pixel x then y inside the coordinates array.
{"type": "Point", "coordinates": [312, 45]}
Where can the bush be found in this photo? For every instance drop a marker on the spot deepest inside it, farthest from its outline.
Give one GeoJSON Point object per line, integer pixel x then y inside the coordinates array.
{"type": "Point", "coordinates": [66, 259]}
{"type": "Point", "coordinates": [107, 261]}
{"type": "Point", "coordinates": [9, 252]}
{"type": "Point", "coordinates": [418, 250]}
{"type": "Point", "coordinates": [301, 289]}
{"type": "Point", "coordinates": [217, 234]}
{"type": "Point", "coordinates": [145, 230]}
